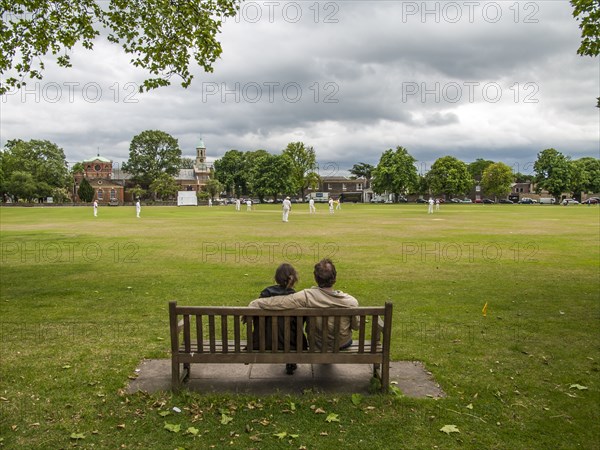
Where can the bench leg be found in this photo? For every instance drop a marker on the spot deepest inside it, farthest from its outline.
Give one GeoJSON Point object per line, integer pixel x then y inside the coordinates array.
{"type": "Point", "coordinates": [175, 381]}
{"type": "Point", "coordinates": [376, 371]}
{"type": "Point", "coordinates": [385, 377]}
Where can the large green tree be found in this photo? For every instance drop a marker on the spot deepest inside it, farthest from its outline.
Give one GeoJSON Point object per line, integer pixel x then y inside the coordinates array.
{"type": "Point", "coordinates": [161, 36]}
{"type": "Point", "coordinates": [585, 176]}
{"type": "Point", "coordinates": [304, 163]}
{"type": "Point", "coordinates": [497, 179]}
{"type": "Point", "coordinates": [43, 160]}
{"type": "Point", "coordinates": [395, 172]}
{"type": "Point", "coordinates": [448, 175]}
{"type": "Point", "coordinates": [21, 185]}
{"type": "Point", "coordinates": [152, 153]}
{"type": "Point", "coordinates": [363, 170]}
{"type": "Point", "coordinates": [231, 170]}
{"type": "Point", "coordinates": [164, 186]}
{"type": "Point", "coordinates": [85, 191]}
{"type": "Point", "coordinates": [477, 167]}
{"type": "Point", "coordinates": [271, 175]}
{"type": "Point", "coordinates": [553, 172]}
{"type": "Point", "coordinates": [213, 187]}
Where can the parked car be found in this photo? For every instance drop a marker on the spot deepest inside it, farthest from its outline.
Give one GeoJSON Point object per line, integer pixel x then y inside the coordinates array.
{"type": "Point", "coordinates": [421, 200]}
{"type": "Point", "coordinates": [402, 199]}
{"type": "Point", "coordinates": [591, 201]}
{"type": "Point", "coordinates": [466, 200]}
{"type": "Point", "coordinates": [527, 201]}
{"type": "Point", "coordinates": [378, 199]}
{"type": "Point", "coordinates": [505, 201]}
{"type": "Point", "coordinates": [455, 200]}
{"type": "Point", "coordinates": [489, 201]}
{"type": "Point", "coordinates": [570, 201]}
{"type": "Point", "coordinates": [478, 200]}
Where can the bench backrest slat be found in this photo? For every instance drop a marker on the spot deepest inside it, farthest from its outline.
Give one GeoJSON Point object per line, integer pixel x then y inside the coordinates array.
{"type": "Point", "coordinates": [211, 332]}
{"type": "Point", "coordinates": [374, 334]}
{"type": "Point", "coordinates": [224, 338]}
{"type": "Point", "coordinates": [236, 333]}
{"type": "Point", "coordinates": [199, 334]}
{"type": "Point", "coordinates": [336, 333]}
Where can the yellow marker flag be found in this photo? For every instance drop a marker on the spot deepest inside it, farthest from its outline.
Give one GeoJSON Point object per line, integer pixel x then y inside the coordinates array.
{"type": "Point", "coordinates": [484, 310]}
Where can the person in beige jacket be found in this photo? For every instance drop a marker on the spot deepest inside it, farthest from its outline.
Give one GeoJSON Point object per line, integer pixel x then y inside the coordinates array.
{"type": "Point", "coordinates": [323, 296]}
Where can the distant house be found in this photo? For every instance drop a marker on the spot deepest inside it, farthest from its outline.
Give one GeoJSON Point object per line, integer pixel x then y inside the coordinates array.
{"type": "Point", "coordinates": [99, 173]}
{"type": "Point", "coordinates": [337, 186]}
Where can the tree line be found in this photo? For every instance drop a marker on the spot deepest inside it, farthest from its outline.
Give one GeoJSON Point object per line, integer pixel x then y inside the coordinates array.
{"type": "Point", "coordinates": [37, 169]}
{"type": "Point", "coordinates": [555, 173]}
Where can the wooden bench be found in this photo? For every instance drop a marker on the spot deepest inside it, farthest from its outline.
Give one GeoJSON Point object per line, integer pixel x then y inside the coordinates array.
{"type": "Point", "coordinates": [223, 335]}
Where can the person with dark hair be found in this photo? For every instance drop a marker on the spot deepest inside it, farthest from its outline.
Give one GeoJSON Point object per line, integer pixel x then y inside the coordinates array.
{"type": "Point", "coordinates": [286, 277]}
{"type": "Point", "coordinates": [322, 296]}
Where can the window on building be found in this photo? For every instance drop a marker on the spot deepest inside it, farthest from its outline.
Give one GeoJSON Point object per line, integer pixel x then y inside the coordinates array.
{"type": "Point", "coordinates": [359, 186]}
{"type": "Point", "coordinates": [113, 194]}
{"type": "Point", "coordinates": [329, 186]}
{"type": "Point", "coordinates": [343, 186]}
{"type": "Point", "coordinates": [100, 194]}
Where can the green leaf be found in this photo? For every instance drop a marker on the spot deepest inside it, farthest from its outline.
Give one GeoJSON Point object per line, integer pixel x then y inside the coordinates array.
{"type": "Point", "coordinates": [280, 435]}
{"type": "Point", "coordinates": [356, 399]}
{"type": "Point", "coordinates": [77, 436]}
{"type": "Point", "coordinates": [579, 387]}
{"type": "Point", "coordinates": [332, 417]}
{"type": "Point", "coordinates": [193, 431]}
{"type": "Point", "coordinates": [164, 413]}
{"type": "Point", "coordinates": [396, 391]}
{"type": "Point", "coordinates": [172, 427]}
{"type": "Point", "coordinates": [225, 419]}
{"type": "Point", "coordinates": [449, 429]}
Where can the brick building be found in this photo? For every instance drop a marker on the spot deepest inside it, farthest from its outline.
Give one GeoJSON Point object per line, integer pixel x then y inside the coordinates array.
{"type": "Point", "coordinates": [99, 173]}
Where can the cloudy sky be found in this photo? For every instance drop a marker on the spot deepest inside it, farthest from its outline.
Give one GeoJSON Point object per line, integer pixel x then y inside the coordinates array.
{"type": "Point", "coordinates": [496, 80]}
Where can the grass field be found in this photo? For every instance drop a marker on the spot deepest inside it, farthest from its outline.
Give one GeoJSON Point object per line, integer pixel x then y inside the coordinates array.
{"type": "Point", "coordinates": [84, 299]}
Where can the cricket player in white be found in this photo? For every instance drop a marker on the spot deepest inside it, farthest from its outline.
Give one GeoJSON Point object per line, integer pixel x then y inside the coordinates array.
{"type": "Point", "coordinates": [237, 204]}
{"type": "Point", "coordinates": [95, 208]}
{"type": "Point", "coordinates": [330, 205]}
{"type": "Point", "coordinates": [311, 206]}
{"type": "Point", "coordinates": [138, 209]}
{"type": "Point", "coordinates": [430, 209]}
{"type": "Point", "coordinates": [287, 206]}
{"type": "Point", "coordinates": [248, 205]}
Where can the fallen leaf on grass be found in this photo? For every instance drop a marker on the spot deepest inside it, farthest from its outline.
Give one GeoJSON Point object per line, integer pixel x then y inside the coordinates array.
{"type": "Point", "coordinates": [66, 366]}
{"type": "Point", "coordinates": [469, 406]}
{"type": "Point", "coordinates": [225, 419]}
{"type": "Point", "coordinates": [356, 399]}
{"type": "Point", "coordinates": [193, 431]}
{"type": "Point", "coordinates": [449, 429]}
{"type": "Point", "coordinates": [579, 387]}
{"type": "Point", "coordinates": [77, 436]}
{"type": "Point", "coordinates": [319, 411]}
{"type": "Point", "coordinates": [280, 435]}
{"type": "Point", "coordinates": [332, 418]}
{"type": "Point", "coordinates": [172, 427]}
{"type": "Point", "coordinates": [164, 413]}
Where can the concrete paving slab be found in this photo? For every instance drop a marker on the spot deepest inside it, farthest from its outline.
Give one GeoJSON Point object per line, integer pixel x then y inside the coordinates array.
{"type": "Point", "coordinates": [411, 377]}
